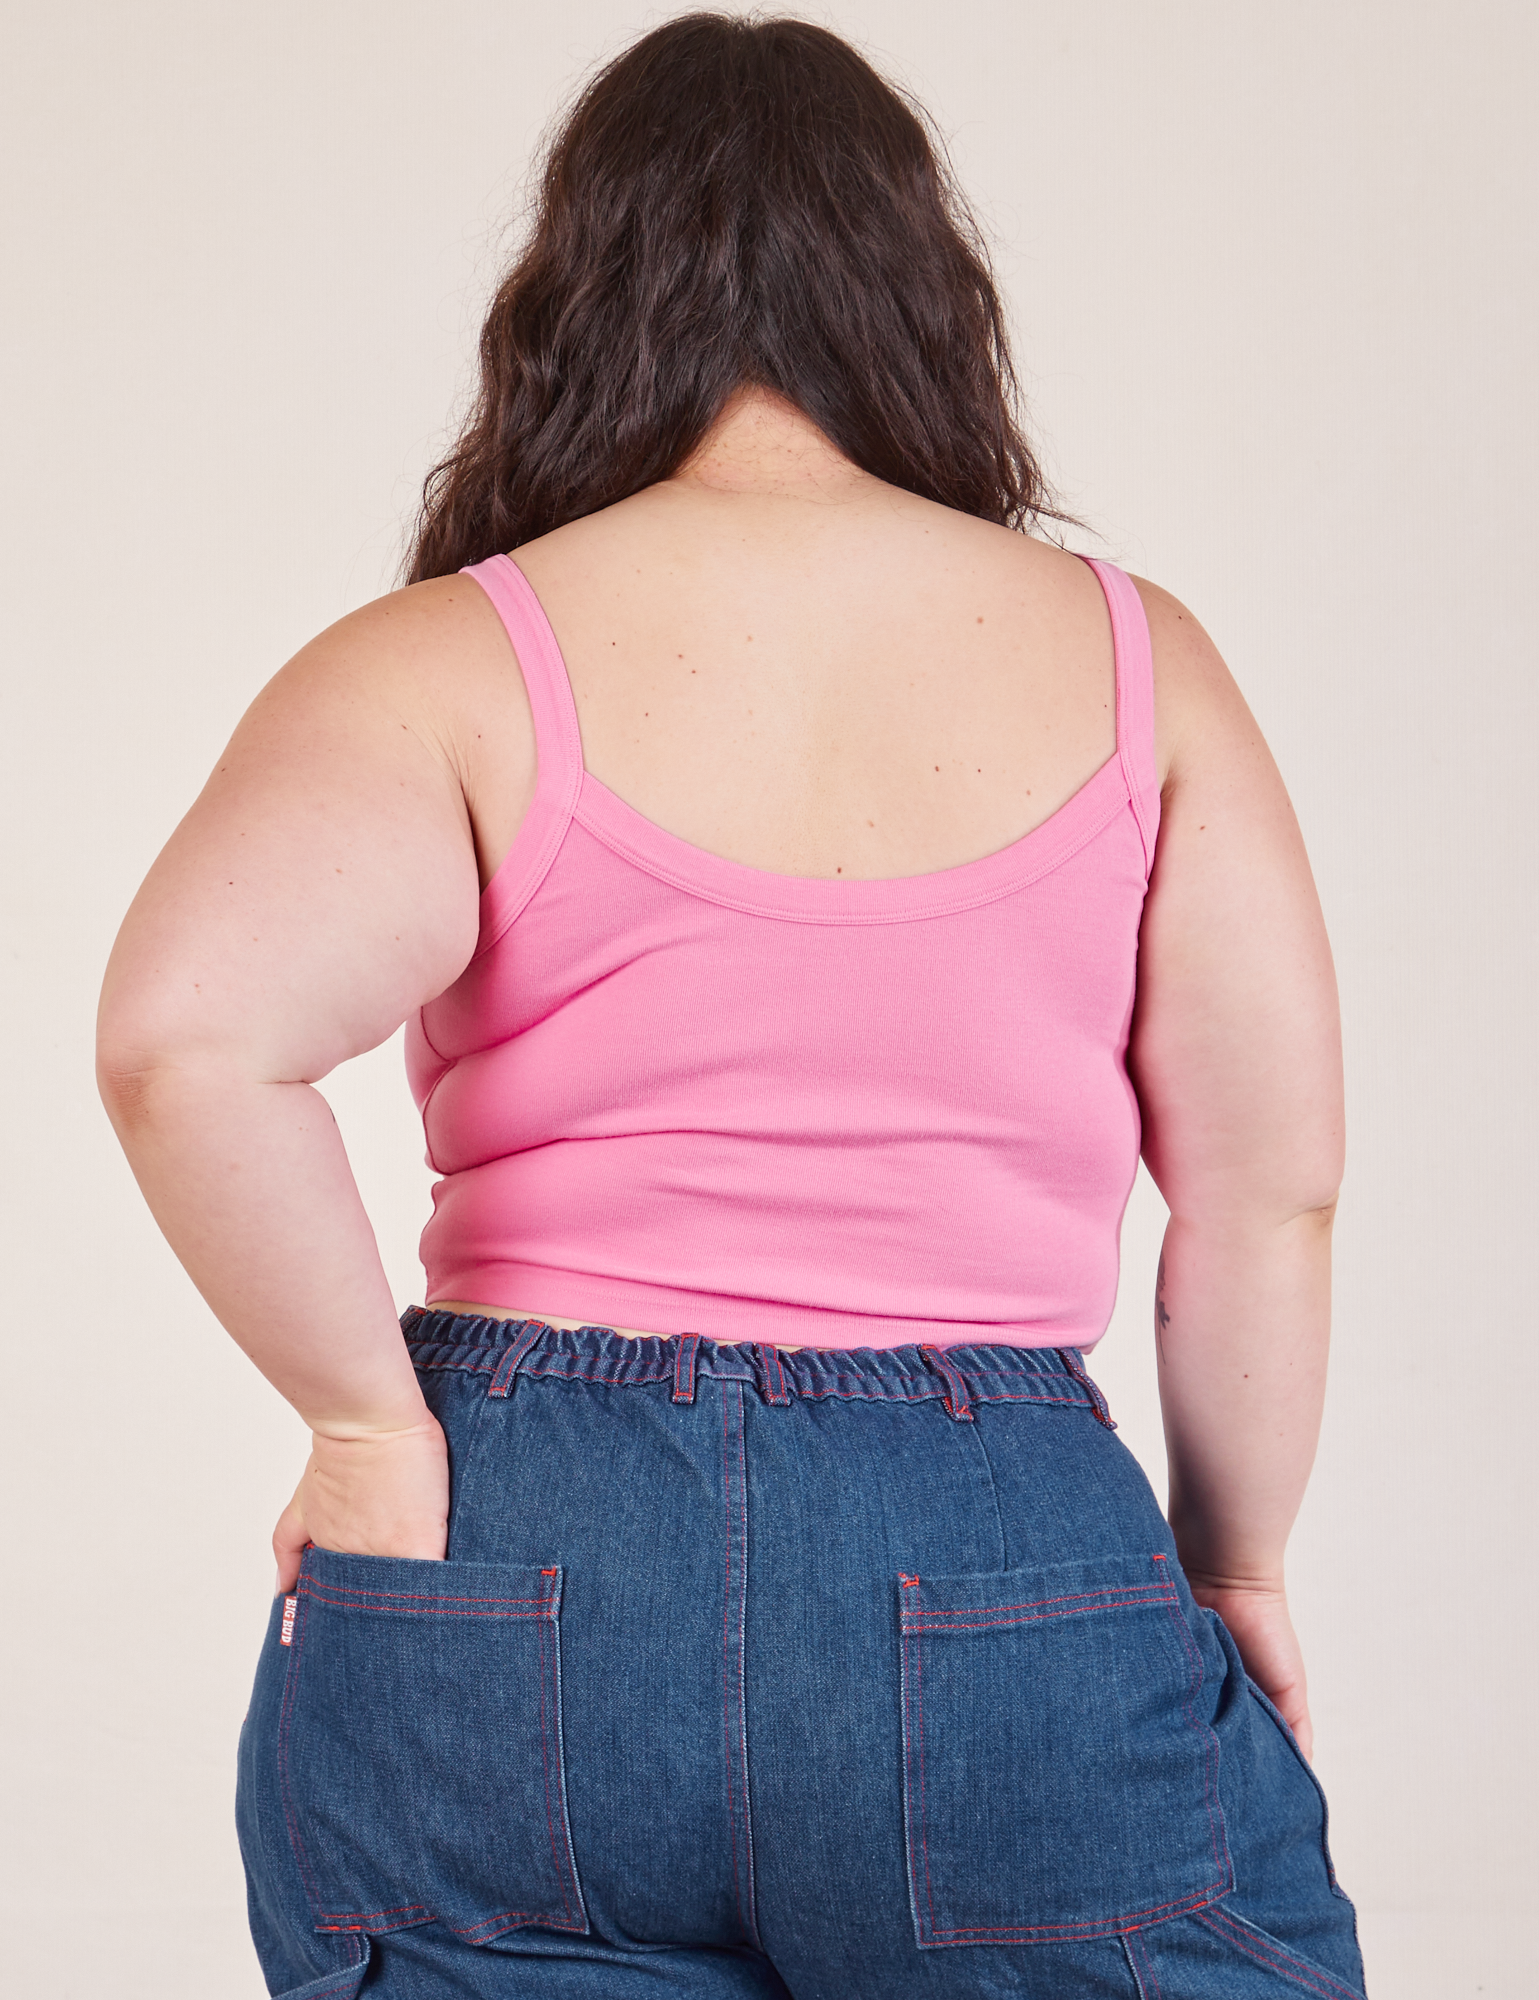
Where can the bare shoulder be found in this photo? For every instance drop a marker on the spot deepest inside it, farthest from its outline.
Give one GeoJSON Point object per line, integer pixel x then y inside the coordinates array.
{"type": "Point", "coordinates": [1197, 706]}
{"type": "Point", "coordinates": [428, 670]}
{"type": "Point", "coordinates": [437, 647]}
{"type": "Point", "coordinates": [432, 659]}
{"type": "Point", "coordinates": [1181, 646]}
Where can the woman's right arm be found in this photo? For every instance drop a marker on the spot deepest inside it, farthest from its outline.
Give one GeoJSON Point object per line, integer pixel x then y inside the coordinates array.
{"type": "Point", "coordinates": [323, 886]}
{"type": "Point", "coordinates": [1236, 1059]}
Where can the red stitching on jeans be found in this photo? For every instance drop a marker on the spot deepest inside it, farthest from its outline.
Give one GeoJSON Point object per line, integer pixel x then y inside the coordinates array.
{"type": "Point", "coordinates": [345, 1922]}
{"type": "Point", "coordinates": [924, 1384]}
{"type": "Point", "coordinates": [528, 1337]}
{"type": "Point", "coordinates": [1061, 1932]}
{"type": "Point", "coordinates": [1035, 1603]}
{"type": "Point", "coordinates": [913, 1627]}
{"type": "Point", "coordinates": [908, 1793]}
{"type": "Point", "coordinates": [742, 1651]}
{"type": "Point", "coordinates": [933, 1392]}
{"type": "Point", "coordinates": [918, 1621]}
{"type": "Point", "coordinates": [774, 1387]}
{"type": "Point", "coordinates": [313, 1583]}
{"type": "Point", "coordinates": [550, 1823]}
{"type": "Point", "coordinates": [1164, 1594]}
{"type": "Point", "coordinates": [410, 1597]}
{"type": "Point", "coordinates": [924, 1834]}
{"type": "Point", "coordinates": [1143, 1967]}
{"type": "Point", "coordinates": [1101, 1927]}
{"type": "Point", "coordinates": [1267, 1950]}
{"type": "Point", "coordinates": [1112, 1599]}
{"type": "Point", "coordinates": [1098, 1401]}
{"type": "Point", "coordinates": [1315, 1978]}
{"type": "Point", "coordinates": [349, 1920]}
{"type": "Point", "coordinates": [352, 1919]}
{"type": "Point", "coordinates": [1010, 1396]}
{"type": "Point", "coordinates": [478, 1933]}
{"type": "Point", "coordinates": [290, 1697]}
{"type": "Point", "coordinates": [744, 1916]}
{"type": "Point", "coordinates": [412, 1611]}
{"type": "Point", "coordinates": [417, 1610]}
{"type": "Point", "coordinates": [726, 1660]}
{"type": "Point", "coordinates": [435, 1357]}
{"type": "Point", "coordinates": [629, 1377]}
{"type": "Point", "coordinates": [1220, 1855]}
{"type": "Point", "coordinates": [958, 1402]}
{"type": "Point", "coordinates": [566, 1864]}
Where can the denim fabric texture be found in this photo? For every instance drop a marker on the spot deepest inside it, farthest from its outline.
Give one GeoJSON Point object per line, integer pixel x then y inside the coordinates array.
{"type": "Point", "coordinates": [842, 1675]}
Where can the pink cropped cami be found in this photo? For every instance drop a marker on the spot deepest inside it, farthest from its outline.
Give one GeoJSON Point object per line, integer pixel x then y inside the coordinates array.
{"type": "Point", "coordinates": [674, 1092]}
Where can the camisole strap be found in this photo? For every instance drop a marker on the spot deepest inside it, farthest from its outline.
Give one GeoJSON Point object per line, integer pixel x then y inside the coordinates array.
{"type": "Point", "coordinates": [1135, 700]}
{"type": "Point", "coordinates": [557, 744]}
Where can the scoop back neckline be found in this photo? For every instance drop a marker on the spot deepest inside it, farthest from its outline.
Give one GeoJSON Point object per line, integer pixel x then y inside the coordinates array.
{"type": "Point", "coordinates": [699, 871]}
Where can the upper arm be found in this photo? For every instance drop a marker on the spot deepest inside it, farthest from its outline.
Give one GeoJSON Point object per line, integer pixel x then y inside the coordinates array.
{"type": "Point", "coordinates": [1235, 1050]}
{"type": "Point", "coordinates": [325, 882]}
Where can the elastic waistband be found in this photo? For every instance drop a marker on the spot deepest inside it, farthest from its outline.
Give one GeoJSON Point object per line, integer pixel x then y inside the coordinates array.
{"type": "Point", "coordinates": [502, 1349]}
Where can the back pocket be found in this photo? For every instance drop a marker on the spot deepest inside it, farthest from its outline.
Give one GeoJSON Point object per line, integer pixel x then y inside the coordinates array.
{"type": "Point", "coordinates": [420, 1745]}
{"type": "Point", "coordinates": [1061, 1779]}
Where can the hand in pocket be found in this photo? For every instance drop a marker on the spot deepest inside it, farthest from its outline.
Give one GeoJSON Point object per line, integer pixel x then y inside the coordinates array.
{"type": "Point", "coordinates": [385, 1493]}
{"type": "Point", "coordinates": [418, 1747]}
{"type": "Point", "coordinates": [1257, 1620]}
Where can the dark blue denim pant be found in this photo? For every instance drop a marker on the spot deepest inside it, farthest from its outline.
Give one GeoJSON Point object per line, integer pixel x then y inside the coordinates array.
{"type": "Point", "coordinates": [851, 1676]}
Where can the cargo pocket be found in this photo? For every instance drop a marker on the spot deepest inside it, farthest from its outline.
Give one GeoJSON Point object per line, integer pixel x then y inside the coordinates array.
{"type": "Point", "coordinates": [1061, 1776]}
{"type": "Point", "coordinates": [420, 1745]}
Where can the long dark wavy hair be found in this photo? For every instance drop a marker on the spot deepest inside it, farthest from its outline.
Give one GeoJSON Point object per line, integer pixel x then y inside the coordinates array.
{"type": "Point", "coordinates": [734, 202]}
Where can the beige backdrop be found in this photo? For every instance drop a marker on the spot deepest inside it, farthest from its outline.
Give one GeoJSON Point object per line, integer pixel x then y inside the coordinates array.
{"type": "Point", "coordinates": [1273, 275]}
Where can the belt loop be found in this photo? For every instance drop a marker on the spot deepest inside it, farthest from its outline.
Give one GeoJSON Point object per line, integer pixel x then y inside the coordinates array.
{"type": "Point", "coordinates": [772, 1380]}
{"type": "Point", "coordinates": [1074, 1361]}
{"type": "Point", "coordinates": [958, 1402]}
{"type": "Point", "coordinates": [684, 1367]}
{"type": "Point", "coordinates": [513, 1357]}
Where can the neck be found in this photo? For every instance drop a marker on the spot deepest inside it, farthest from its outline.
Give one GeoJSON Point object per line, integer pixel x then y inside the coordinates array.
{"type": "Point", "coordinates": [761, 444]}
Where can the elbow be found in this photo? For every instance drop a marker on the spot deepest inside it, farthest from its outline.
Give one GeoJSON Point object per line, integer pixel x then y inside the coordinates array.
{"type": "Point", "coordinates": [1226, 1218]}
{"type": "Point", "coordinates": [156, 1094]}
{"type": "Point", "coordinates": [143, 1064]}
{"type": "Point", "coordinates": [1257, 1196]}
{"type": "Point", "coordinates": [128, 1051]}
{"type": "Point", "coordinates": [1313, 1221]}
{"type": "Point", "coordinates": [156, 1068]}
{"type": "Point", "coordinates": [1309, 1193]}
{"type": "Point", "coordinates": [127, 1081]}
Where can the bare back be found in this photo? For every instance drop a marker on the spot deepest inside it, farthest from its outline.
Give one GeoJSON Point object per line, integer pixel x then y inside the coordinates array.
{"type": "Point", "coordinates": [829, 677]}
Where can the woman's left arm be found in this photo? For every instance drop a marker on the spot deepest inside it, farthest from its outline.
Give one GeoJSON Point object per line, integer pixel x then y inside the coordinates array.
{"type": "Point", "coordinates": [323, 886]}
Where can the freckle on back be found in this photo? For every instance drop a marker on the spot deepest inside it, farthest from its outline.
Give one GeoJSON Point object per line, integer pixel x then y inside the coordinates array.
{"type": "Point", "coordinates": [802, 989]}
